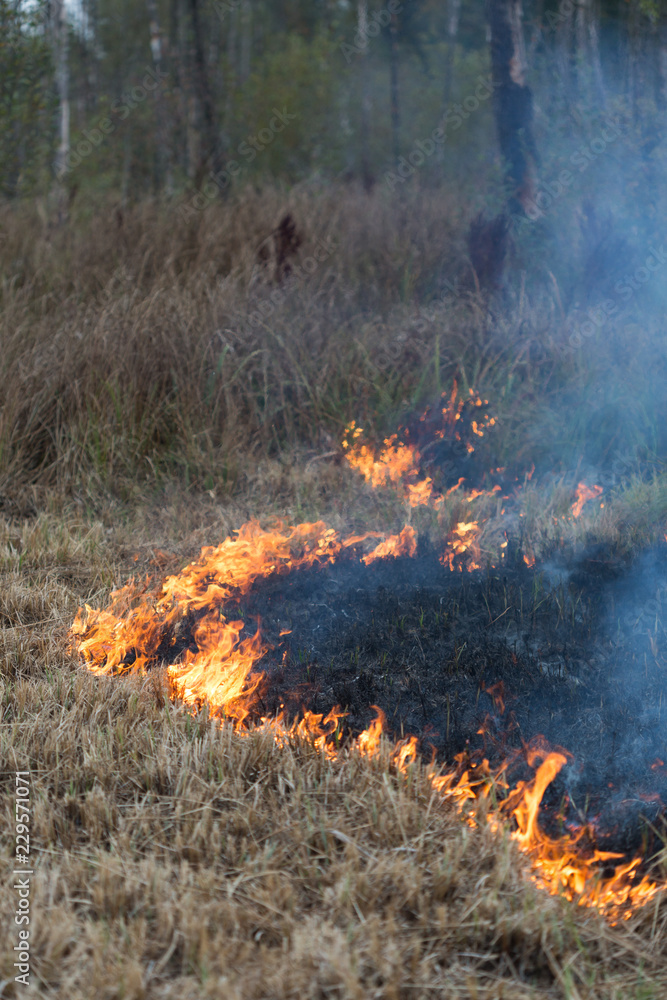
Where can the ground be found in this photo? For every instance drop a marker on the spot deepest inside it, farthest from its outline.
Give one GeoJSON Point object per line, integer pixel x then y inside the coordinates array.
{"type": "Point", "coordinates": [175, 857]}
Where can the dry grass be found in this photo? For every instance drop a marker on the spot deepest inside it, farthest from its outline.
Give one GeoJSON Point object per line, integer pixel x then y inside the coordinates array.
{"type": "Point", "coordinates": [159, 348]}
{"type": "Point", "coordinates": [175, 858]}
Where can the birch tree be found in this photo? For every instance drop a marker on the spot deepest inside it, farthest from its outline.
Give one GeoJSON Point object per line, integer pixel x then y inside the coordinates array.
{"type": "Point", "coordinates": [60, 42]}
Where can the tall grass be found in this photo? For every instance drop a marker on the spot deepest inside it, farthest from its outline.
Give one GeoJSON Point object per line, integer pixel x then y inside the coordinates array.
{"type": "Point", "coordinates": [150, 344]}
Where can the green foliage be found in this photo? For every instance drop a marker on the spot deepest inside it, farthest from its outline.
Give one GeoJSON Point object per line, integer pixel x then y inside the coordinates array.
{"type": "Point", "coordinates": [26, 102]}
{"type": "Point", "coordinates": [300, 77]}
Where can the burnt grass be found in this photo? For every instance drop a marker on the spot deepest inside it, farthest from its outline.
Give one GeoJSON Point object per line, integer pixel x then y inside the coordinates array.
{"type": "Point", "coordinates": [577, 643]}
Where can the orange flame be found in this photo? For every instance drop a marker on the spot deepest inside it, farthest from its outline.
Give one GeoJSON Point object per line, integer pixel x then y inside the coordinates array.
{"type": "Point", "coordinates": [220, 674]}
{"type": "Point", "coordinates": [391, 464]}
{"type": "Point", "coordinates": [462, 541]}
{"type": "Point", "coordinates": [139, 627]}
{"type": "Point", "coordinates": [584, 493]}
{"type": "Point", "coordinates": [404, 544]}
{"type": "Point", "coordinates": [369, 741]}
{"type": "Point", "coordinates": [398, 464]}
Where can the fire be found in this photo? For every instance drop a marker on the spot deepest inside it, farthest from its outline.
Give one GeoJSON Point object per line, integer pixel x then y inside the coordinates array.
{"type": "Point", "coordinates": [398, 463]}
{"type": "Point", "coordinates": [369, 741]}
{"type": "Point", "coordinates": [221, 673]}
{"type": "Point", "coordinates": [404, 544]}
{"type": "Point", "coordinates": [131, 633]}
{"type": "Point", "coordinates": [392, 463]}
{"type": "Point", "coordinates": [462, 541]}
{"type": "Point", "coordinates": [584, 494]}
{"type": "Point", "coordinates": [144, 624]}
{"type": "Point", "coordinates": [563, 865]}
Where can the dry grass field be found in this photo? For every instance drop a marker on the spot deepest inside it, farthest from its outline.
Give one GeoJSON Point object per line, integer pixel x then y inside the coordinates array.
{"type": "Point", "coordinates": [144, 415]}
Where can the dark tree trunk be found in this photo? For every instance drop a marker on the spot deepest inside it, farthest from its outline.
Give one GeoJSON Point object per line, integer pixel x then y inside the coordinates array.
{"type": "Point", "coordinates": [393, 87]}
{"type": "Point", "coordinates": [362, 32]}
{"type": "Point", "coordinates": [210, 147]}
{"type": "Point", "coordinates": [513, 102]}
{"type": "Point", "coordinates": [163, 161]}
{"type": "Point", "coordinates": [452, 31]}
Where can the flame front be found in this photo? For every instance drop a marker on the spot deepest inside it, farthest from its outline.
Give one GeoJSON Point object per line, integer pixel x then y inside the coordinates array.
{"type": "Point", "coordinates": [584, 494]}
{"type": "Point", "coordinates": [140, 626]}
{"type": "Point", "coordinates": [143, 626]}
{"type": "Point", "coordinates": [397, 465]}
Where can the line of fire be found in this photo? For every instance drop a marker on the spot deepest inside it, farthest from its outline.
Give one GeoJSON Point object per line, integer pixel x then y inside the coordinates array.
{"type": "Point", "coordinates": [523, 671]}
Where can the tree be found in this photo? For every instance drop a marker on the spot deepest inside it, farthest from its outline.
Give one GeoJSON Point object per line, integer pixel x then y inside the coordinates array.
{"type": "Point", "coordinates": [60, 38]}
{"type": "Point", "coordinates": [362, 33]}
{"type": "Point", "coordinates": [512, 101]}
{"type": "Point", "coordinates": [164, 175]}
{"type": "Point", "coordinates": [25, 96]}
{"type": "Point", "coordinates": [210, 152]}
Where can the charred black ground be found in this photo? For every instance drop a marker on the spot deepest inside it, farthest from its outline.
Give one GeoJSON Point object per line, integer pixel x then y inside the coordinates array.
{"type": "Point", "coordinates": [578, 645]}
{"type": "Point", "coordinates": [481, 663]}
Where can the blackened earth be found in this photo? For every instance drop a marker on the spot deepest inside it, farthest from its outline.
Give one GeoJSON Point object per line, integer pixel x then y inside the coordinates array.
{"type": "Point", "coordinates": [578, 644]}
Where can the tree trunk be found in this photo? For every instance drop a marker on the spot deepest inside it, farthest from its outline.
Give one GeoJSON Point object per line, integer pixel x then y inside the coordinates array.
{"type": "Point", "coordinates": [60, 40]}
{"type": "Point", "coordinates": [513, 102]}
{"type": "Point", "coordinates": [633, 57]}
{"type": "Point", "coordinates": [662, 64]}
{"type": "Point", "coordinates": [452, 32]}
{"type": "Point", "coordinates": [246, 40]}
{"type": "Point", "coordinates": [210, 151]}
{"type": "Point", "coordinates": [232, 69]}
{"type": "Point", "coordinates": [393, 88]}
{"type": "Point", "coordinates": [164, 168]}
{"type": "Point", "coordinates": [588, 50]}
{"type": "Point", "coordinates": [362, 32]}
{"type": "Point", "coordinates": [454, 11]}
{"type": "Point", "coordinates": [178, 48]}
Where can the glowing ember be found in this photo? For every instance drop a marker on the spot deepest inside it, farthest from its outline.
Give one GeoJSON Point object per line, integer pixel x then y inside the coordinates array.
{"type": "Point", "coordinates": [584, 494]}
